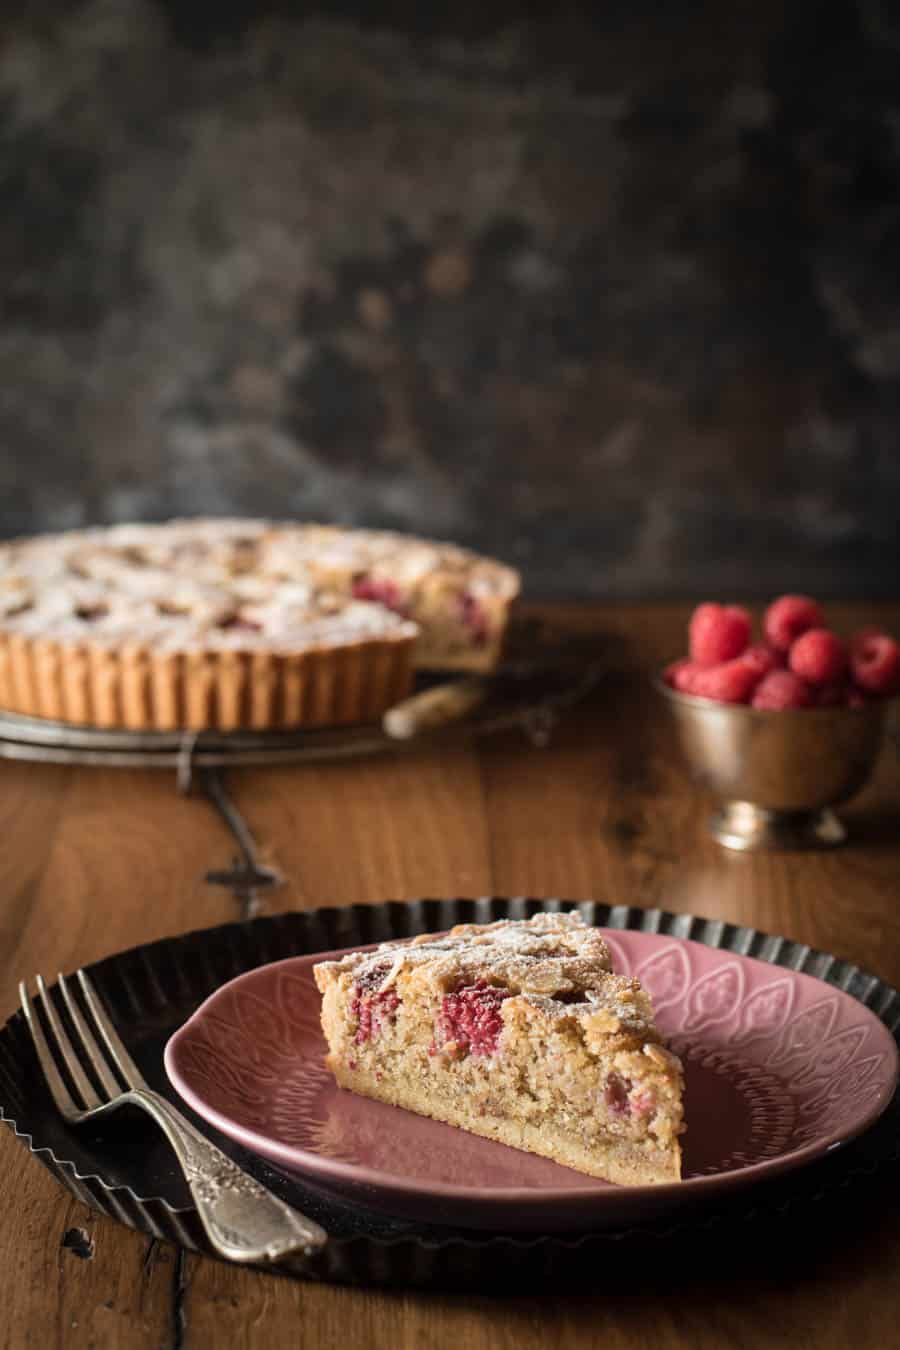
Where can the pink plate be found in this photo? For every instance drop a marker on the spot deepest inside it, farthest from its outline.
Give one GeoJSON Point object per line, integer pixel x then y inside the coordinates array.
{"type": "Point", "coordinates": [780, 1069]}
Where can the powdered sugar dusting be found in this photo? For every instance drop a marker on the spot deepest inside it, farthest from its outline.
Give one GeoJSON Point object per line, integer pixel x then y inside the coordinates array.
{"type": "Point", "coordinates": [552, 957]}
{"type": "Point", "coordinates": [226, 584]}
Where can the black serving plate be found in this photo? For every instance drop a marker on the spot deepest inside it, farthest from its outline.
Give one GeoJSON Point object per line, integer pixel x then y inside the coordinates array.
{"type": "Point", "coordinates": [125, 1169]}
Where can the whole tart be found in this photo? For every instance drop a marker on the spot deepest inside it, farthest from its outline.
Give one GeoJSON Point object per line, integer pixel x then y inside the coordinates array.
{"type": "Point", "coordinates": [519, 1031]}
{"type": "Point", "coordinates": [238, 624]}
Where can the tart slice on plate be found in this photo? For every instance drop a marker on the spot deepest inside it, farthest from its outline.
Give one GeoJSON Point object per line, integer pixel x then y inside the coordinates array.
{"type": "Point", "coordinates": [518, 1031]}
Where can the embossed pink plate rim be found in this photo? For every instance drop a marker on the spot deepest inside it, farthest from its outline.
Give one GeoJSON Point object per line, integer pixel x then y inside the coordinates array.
{"type": "Point", "coordinates": [576, 1200]}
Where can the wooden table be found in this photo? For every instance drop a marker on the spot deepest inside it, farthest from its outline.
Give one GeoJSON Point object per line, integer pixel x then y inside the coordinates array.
{"type": "Point", "coordinates": [95, 860]}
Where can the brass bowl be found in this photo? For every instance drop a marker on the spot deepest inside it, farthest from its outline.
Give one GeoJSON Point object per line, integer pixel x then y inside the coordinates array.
{"type": "Point", "coordinates": [777, 774]}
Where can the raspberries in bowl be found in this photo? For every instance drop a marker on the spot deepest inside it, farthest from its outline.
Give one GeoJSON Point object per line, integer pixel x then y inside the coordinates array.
{"type": "Point", "coordinates": [798, 663]}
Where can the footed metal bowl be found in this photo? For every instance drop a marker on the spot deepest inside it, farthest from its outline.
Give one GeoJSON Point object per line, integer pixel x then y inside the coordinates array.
{"type": "Point", "coordinates": [777, 774]}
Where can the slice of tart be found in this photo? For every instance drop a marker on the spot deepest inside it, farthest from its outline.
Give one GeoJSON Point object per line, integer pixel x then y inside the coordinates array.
{"type": "Point", "coordinates": [518, 1031]}
{"type": "Point", "coordinates": [458, 600]}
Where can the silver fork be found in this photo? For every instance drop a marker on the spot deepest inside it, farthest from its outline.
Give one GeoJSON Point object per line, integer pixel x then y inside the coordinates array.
{"type": "Point", "coordinates": [244, 1221]}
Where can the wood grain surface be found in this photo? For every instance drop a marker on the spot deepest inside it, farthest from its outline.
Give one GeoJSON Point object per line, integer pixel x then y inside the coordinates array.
{"type": "Point", "coordinates": [97, 860]}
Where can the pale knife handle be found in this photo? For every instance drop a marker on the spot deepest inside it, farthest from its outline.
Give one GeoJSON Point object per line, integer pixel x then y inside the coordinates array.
{"type": "Point", "coordinates": [433, 708]}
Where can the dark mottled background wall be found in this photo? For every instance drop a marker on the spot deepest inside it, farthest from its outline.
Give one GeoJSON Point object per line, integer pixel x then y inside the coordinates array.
{"type": "Point", "coordinates": [617, 298]}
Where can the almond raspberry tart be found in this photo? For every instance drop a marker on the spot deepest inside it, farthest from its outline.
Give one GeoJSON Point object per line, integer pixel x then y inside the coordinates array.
{"type": "Point", "coordinates": [238, 624]}
{"type": "Point", "coordinates": [515, 1030]}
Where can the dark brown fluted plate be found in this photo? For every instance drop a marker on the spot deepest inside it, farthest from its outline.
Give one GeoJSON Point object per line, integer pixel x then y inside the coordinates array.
{"type": "Point", "coordinates": [129, 1173]}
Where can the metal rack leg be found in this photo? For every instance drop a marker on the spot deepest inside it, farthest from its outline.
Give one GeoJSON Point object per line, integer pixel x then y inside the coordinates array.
{"type": "Point", "coordinates": [248, 876]}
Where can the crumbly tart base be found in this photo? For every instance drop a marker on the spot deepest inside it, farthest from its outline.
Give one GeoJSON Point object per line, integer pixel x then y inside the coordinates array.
{"type": "Point", "coordinates": [517, 1031]}
{"type": "Point", "coordinates": [625, 1164]}
{"type": "Point", "coordinates": [139, 689]}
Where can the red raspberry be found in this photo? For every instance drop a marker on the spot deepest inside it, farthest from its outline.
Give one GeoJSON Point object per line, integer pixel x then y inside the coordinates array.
{"type": "Point", "coordinates": [372, 1007]}
{"type": "Point", "coordinates": [788, 617]}
{"type": "Point", "coordinates": [615, 1094]}
{"type": "Point", "coordinates": [730, 682]}
{"type": "Point", "coordinates": [472, 1018]}
{"type": "Point", "coordinates": [875, 663]}
{"type": "Point", "coordinates": [782, 689]}
{"type": "Point", "coordinates": [862, 635]}
{"type": "Point", "coordinates": [381, 591]}
{"type": "Point", "coordinates": [818, 656]}
{"type": "Point", "coordinates": [473, 616]}
{"type": "Point", "coordinates": [680, 675]}
{"type": "Point", "coordinates": [761, 659]}
{"type": "Point", "coordinates": [718, 633]}
{"type": "Point", "coordinates": [855, 699]}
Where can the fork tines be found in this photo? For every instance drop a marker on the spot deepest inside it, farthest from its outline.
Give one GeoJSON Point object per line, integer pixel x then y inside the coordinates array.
{"type": "Point", "coordinates": [55, 1045]}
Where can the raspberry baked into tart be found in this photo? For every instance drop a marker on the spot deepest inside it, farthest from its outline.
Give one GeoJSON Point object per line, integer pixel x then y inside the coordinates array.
{"type": "Point", "coordinates": [227, 624]}
{"type": "Point", "coordinates": [518, 1031]}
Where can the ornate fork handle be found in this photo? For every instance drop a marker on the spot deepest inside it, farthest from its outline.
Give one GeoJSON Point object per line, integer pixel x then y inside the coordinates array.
{"type": "Point", "coordinates": [244, 1221]}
